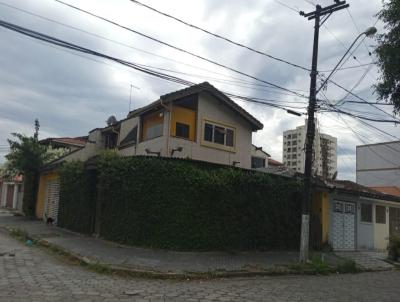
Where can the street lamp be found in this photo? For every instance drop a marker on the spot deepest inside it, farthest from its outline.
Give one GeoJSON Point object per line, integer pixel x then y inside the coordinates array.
{"type": "Point", "coordinates": [369, 32]}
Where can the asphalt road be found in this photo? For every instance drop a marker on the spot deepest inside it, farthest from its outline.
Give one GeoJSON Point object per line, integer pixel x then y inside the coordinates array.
{"type": "Point", "coordinates": [31, 274]}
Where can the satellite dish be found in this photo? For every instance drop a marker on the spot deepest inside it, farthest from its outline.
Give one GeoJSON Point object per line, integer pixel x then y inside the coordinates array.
{"type": "Point", "coordinates": [112, 120]}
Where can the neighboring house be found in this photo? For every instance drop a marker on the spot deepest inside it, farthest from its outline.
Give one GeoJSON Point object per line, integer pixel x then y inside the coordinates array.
{"type": "Point", "coordinates": [259, 158]}
{"type": "Point", "coordinates": [274, 163]}
{"type": "Point", "coordinates": [49, 183]}
{"type": "Point", "coordinates": [378, 165]}
{"type": "Point", "coordinates": [391, 190]}
{"type": "Point", "coordinates": [325, 151]}
{"type": "Point", "coordinates": [352, 217]}
{"type": "Point", "coordinates": [12, 192]}
{"type": "Point", "coordinates": [66, 143]}
{"type": "Point", "coordinates": [199, 123]}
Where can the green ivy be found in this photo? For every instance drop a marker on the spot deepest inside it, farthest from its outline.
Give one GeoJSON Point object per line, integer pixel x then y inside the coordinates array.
{"type": "Point", "coordinates": [77, 198]}
{"type": "Point", "coordinates": [186, 205]}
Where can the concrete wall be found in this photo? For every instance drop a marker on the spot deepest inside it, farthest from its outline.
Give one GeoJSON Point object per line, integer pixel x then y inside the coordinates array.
{"type": "Point", "coordinates": [378, 165]}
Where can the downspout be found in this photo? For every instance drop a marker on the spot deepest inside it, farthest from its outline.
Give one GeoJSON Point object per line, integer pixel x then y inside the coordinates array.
{"type": "Point", "coordinates": [169, 125]}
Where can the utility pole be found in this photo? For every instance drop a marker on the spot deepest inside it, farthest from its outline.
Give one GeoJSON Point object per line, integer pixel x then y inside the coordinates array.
{"type": "Point", "coordinates": [307, 193]}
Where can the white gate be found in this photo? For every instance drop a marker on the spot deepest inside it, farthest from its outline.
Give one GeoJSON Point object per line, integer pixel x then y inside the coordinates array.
{"type": "Point", "coordinates": [343, 226]}
{"type": "Point", "coordinates": [52, 199]}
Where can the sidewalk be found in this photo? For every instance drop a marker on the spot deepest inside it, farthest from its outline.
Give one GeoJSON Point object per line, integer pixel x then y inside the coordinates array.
{"type": "Point", "coordinates": [94, 250]}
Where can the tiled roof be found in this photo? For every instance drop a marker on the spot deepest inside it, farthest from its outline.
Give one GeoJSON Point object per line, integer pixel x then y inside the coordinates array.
{"type": "Point", "coordinates": [205, 86]}
{"type": "Point", "coordinates": [74, 141]}
{"type": "Point", "coordinates": [388, 190]}
{"type": "Point", "coordinates": [274, 162]}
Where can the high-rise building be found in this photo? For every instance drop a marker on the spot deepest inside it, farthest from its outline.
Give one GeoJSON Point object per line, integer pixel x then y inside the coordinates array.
{"type": "Point", "coordinates": [324, 155]}
{"type": "Point", "coordinates": [378, 165]}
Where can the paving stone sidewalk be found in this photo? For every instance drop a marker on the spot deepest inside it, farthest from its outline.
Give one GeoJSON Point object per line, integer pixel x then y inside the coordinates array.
{"type": "Point", "coordinates": [370, 260]}
{"type": "Point", "coordinates": [116, 255]}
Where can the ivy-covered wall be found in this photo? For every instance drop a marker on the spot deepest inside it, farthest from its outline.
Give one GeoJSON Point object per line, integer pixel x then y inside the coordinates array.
{"type": "Point", "coordinates": [77, 198]}
{"type": "Point", "coordinates": [185, 205]}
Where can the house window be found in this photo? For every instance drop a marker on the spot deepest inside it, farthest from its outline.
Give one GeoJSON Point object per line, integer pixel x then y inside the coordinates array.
{"type": "Point", "coordinates": [182, 130]}
{"type": "Point", "coordinates": [219, 134]}
{"type": "Point", "coordinates": [380, 214]}
{"type": "Point", "coordinates": [338, 207]}
{"type": "Point", "coordinates": [257, 162]}
{"type": "Point", "coordinates": [366, 212]}
{"type": "Point", "coordinates": [154, 131]}
{"type": "Point", "coordinates": [152, 126]}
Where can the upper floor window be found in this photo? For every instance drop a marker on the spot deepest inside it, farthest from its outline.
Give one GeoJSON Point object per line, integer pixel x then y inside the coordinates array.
{"type": "Point", "coordinates": [152, 126]}
{"type": "Point", "coordinates": [219, 134]}
{"type": "Point", "coordinates": [182, 130]}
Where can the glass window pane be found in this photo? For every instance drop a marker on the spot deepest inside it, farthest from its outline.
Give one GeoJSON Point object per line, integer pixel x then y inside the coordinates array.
{"type": "Point", "coordinates": [154, 131]}
{"type": "Point", "coordinates": [229, 137]}
{"type": "Point", "coordinates": [182, 130]}
{"type": "Point", "coordinates": [219, 135]}
{"type": "Point", "coordinates": [380, 214]}
{"type": "Point", "coordinates": [366, 212]}
{"type": "Point", "coordinates": [208, 132]}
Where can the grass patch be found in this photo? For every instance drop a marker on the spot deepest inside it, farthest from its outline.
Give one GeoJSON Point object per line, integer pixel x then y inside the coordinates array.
{"type": "Point", "coordinates": [347, 266]}
{"type": "Point", "coordinates": [316, 266]}
{"type": "Point", "coordinates": [19, 234]}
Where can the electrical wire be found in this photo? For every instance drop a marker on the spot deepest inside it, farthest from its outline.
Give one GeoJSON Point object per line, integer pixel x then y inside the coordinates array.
{"type": "Point", "coordinates": [228, 78]}
{"type": "Point", "coordinates": [58, 42]}
{"type": "Point", "coordinates": [217, 35]}
{"type": "Point", "coordinates": [181, 49]}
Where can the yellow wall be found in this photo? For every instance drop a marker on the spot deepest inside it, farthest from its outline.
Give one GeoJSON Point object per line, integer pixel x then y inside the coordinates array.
{"type": "Point", "coordinates": [320, 207]}
{"type": "Point", "coordinates": [184, 116]}
{"type": "Point", "coordinates": [41, 197]}
{"type": "Point", "coordinates": [150, 121]}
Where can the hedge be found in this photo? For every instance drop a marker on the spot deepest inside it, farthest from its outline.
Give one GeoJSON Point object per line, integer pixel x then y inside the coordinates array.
{"type": "Point", "coordinates": [184, 205]}
{"type": "Point", "coordinates": [77, 198]}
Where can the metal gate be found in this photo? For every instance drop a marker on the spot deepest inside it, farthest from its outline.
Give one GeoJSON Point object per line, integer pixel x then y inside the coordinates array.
{"type": "Point", "coordinates": [394, 221]}
{"type": "Point", "coordinates": [10, 196]}
{"type": "Point", "coordinates": [343, 228]}
{"type": "Point", "coordinates": [52, 200]}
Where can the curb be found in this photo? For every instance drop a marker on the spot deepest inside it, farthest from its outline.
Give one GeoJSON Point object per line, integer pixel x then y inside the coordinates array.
{"type": "Point", "coordinates": [105, 268]}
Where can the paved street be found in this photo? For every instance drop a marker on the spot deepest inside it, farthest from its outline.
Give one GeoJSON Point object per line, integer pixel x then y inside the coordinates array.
{"type": "Point", "coordinates": [30, 274]}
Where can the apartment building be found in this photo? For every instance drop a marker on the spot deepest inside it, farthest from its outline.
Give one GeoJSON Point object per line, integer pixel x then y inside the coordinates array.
{"type": "Point", "coordinates": [324, 156]}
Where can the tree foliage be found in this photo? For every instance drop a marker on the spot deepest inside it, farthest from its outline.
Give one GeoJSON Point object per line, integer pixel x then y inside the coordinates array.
{"type": "Point", "coordinates": [388, 52]}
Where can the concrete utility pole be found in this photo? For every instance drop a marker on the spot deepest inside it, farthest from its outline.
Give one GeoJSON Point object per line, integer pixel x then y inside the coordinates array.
{"type": "Point", "coordinates": [307, 193]}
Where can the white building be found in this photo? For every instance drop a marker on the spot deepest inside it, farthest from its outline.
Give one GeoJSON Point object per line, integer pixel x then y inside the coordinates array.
{"type": "Point", "coordinates": [378, 165]}
{"type": "Point", "coordinates": [325, 151]}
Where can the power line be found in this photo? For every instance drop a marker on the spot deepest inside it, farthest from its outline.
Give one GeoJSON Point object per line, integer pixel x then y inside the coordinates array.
{"type": "Point", "coordinates": [54, 41]}
{"type": "Point", "coordinates": [218, 36]}
{"type": "Point", "coordinates": [181, 49]}
{"type": "Point", "coordinates": [363, 100]}
{"type": "Point", "coordinates": [237, 80]}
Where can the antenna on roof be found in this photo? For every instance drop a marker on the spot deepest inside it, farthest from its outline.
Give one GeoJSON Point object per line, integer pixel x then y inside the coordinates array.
{"type": "Point", "coordinates": [130, 96]}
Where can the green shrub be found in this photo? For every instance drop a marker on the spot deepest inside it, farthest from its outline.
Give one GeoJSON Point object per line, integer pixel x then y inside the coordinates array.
{"type": "Point", "coordinates": [187, 205]}
{"type": "Point", "coordinates": [77, 198]}
{"type": "Point", "coordinates": [394, 247]}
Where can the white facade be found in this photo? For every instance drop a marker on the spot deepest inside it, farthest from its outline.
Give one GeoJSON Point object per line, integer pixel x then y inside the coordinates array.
{"type": "Point", "coordinates": [209, 109]}
{"type": "Point", "coordinates": [325, 151]}
{"type": "Point", "coordinates": [378, 165]}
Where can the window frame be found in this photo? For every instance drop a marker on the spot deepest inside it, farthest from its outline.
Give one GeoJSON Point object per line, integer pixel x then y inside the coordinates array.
{"type": "Point", "coordinates": [376, 216]}
{"type": "Point", "coordinates": [212, 143]}
{"type": "Point", "coordinates": [361, 213]}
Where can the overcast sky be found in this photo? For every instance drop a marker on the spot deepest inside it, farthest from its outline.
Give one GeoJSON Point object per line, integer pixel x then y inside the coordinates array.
{"type": "Point", "coordinates": [73, 94]}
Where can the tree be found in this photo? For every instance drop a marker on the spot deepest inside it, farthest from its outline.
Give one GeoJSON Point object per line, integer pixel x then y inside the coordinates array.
{"type": "Point", "coordinates": [26, 157]}
{"type": "Point", "coordinates": [388, 52]}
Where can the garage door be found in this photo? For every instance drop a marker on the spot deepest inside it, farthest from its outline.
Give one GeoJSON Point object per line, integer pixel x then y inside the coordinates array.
{"type": "Point", "coordinates": [343, 228]}
{"type": "Point", "coordinates": [52, 199]}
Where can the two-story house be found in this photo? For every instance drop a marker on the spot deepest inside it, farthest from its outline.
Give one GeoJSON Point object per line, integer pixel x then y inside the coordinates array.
{"type": "Point", "coordinates": [199, 122]}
